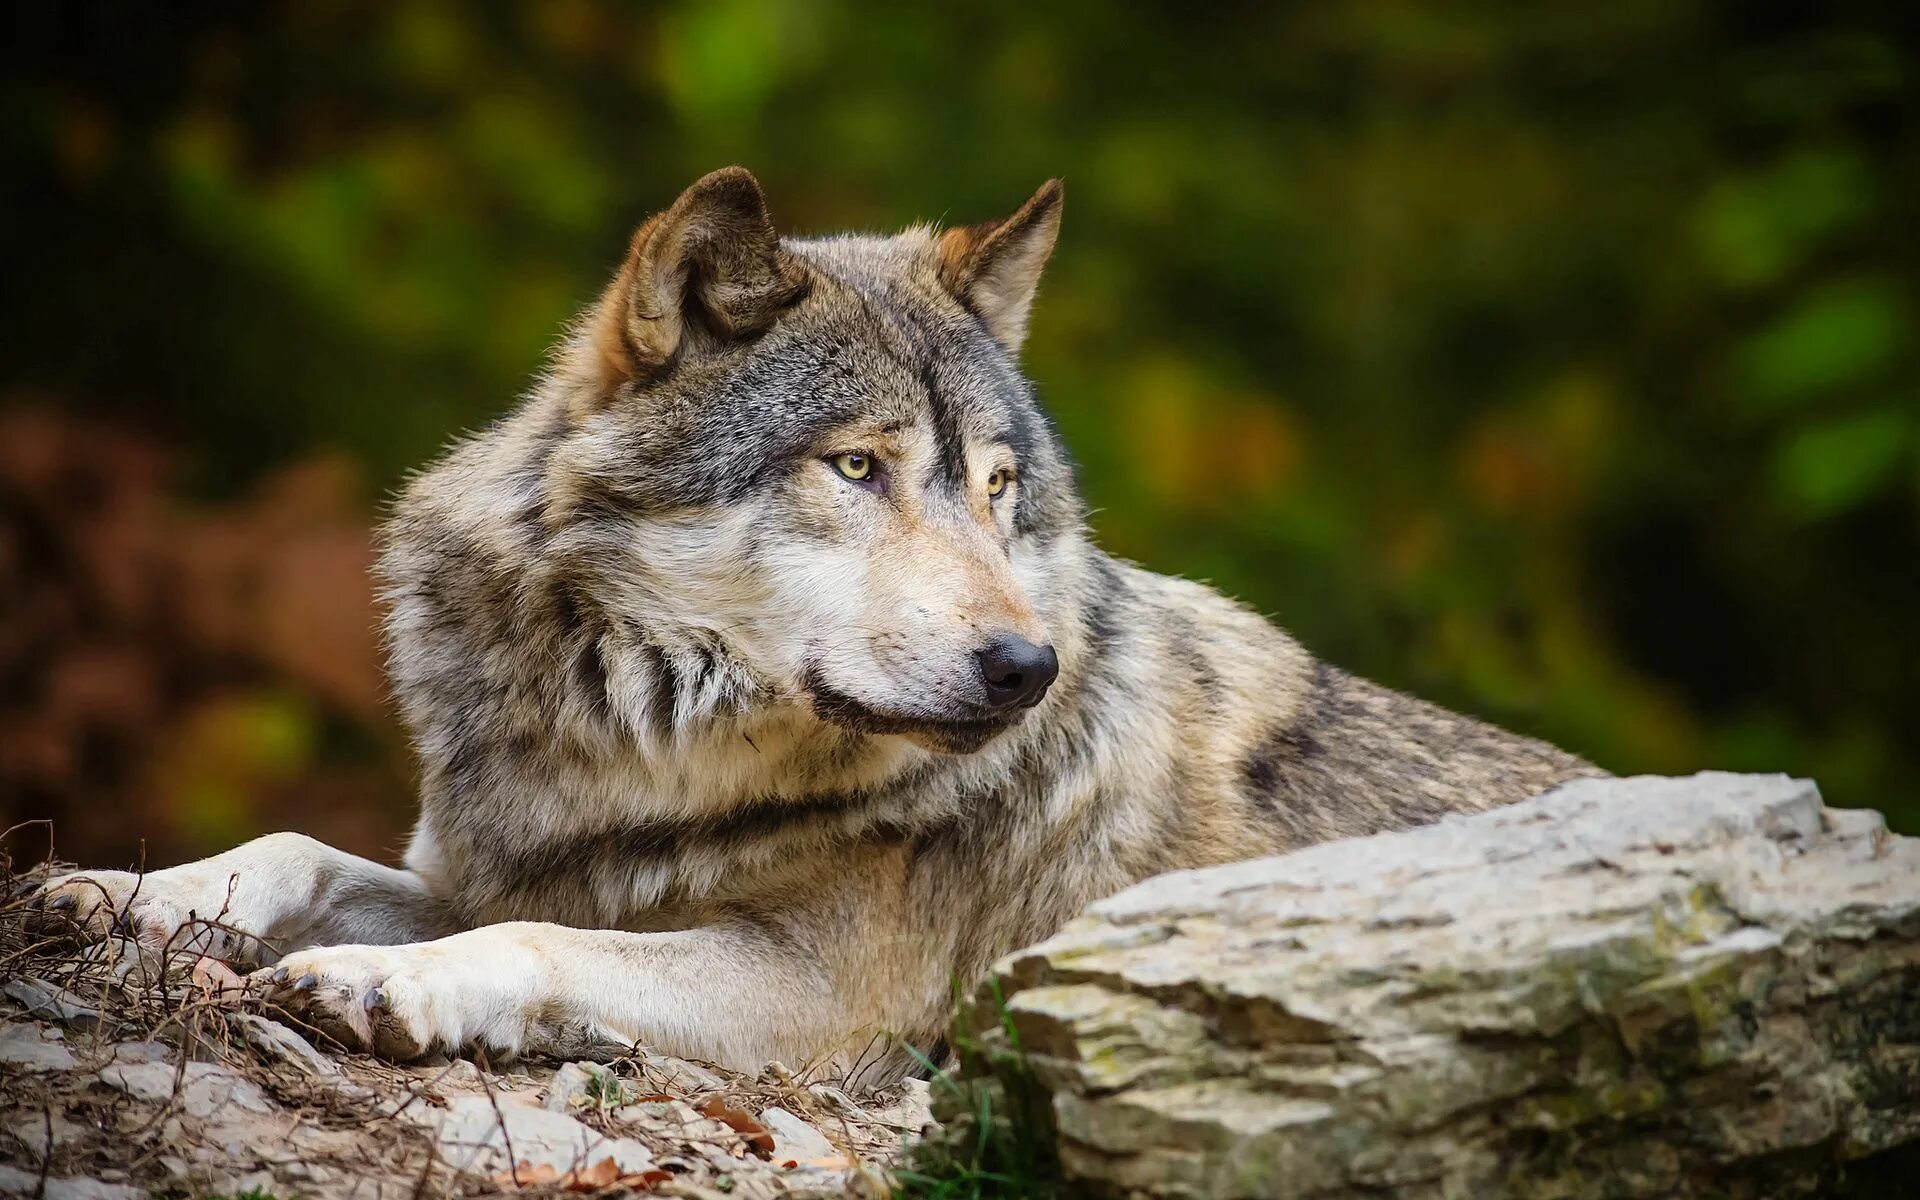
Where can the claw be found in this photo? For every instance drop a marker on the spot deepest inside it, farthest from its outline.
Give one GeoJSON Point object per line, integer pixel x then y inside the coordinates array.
{"type": "Point", "coordinates": [61, 903]}
{"type": "Point", "coordinates": [306, 983]}
{"type": "Point", "coordinates": [279, 975]}
{"type": "Point", "coordinates": [123, 924]}
{"type": "Point", "coordinates": [374, 1001]}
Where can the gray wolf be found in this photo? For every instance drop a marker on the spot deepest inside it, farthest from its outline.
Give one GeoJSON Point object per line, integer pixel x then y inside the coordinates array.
{"type": "Point", "coordinates": [764, 681]}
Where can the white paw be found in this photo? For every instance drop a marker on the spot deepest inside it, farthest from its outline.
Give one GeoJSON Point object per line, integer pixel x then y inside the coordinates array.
{"type": "Point", "coordinates": [168, 915]}
{"type": "Point", "coordinates": [85, 904]}
{"type": "Point", "coordinates": [402, 1002]}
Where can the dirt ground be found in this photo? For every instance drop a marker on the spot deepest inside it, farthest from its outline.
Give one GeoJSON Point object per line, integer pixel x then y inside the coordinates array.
{"type": "Point", "coordinates": [115, 1086]}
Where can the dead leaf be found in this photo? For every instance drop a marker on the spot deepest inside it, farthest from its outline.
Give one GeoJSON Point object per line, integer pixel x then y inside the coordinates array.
{"type": "Point", "coordinates": [216, 977]}
{"type": "Point", "coordinates": [601, 1174]}
{"type": "Point", "coordinates": [604, 1174]}
{"type": "Point", "coordinates": [741, 1121]}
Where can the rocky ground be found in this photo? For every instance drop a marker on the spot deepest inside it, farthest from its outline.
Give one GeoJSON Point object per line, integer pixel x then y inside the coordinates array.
{"type": "Point", "coordinates": [1659, 988]}
{"type": "Point", "coordinates": [113, 1088]}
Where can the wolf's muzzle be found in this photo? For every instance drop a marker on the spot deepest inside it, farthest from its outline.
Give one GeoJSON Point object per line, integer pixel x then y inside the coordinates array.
{"type": "Point", "coordinates": [1016, 672]}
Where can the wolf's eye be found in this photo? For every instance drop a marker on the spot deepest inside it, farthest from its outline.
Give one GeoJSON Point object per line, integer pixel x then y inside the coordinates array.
{"type": "Point", "coordinates": [856, 467]}
{"type": "Point", "coordinates": [997, 482]}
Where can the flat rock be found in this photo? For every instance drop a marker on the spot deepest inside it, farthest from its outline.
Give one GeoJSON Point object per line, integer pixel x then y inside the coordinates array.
{"type": "Point", "coordinates": [281, 1044]}
{"type": "Point", "coordinates": [475, 1132]}
{"type": "Point", "coordinates": [794, 1140]}
{"type": "Point", "coordinates": [42, 999]}
{"type": "Point", "coordinates": [136, 1052]}
{"type": "Point", "coordinates": [49, 1132]}
{"type": "Point", "coordinates": [1680, 986]}
{"type": "Point", "coordinates": [578, 1084]}
{"type": "Point", "coordinates": [15, 1182]}
{"type": "Point", "coordinates": [23, 1045]}
{"type": "Point", "coordinates": [199, 1089]}
{"type": "Point", "coordinates": [678, 1075]}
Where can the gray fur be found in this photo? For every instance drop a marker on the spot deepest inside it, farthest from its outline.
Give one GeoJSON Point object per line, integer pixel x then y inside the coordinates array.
{"type": "Point", "coordinates": [634, 631]}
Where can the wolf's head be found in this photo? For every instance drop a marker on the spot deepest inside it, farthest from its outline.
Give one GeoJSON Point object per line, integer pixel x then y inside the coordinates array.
{"type": "Point", "coordinates": [815, 465]}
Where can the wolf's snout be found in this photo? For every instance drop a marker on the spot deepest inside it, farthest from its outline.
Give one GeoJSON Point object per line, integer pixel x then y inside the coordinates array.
{"type": "Point", "coordinates": [1016, 672]}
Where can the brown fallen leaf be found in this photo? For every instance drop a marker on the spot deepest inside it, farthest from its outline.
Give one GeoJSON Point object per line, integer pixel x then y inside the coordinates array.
{"type": "Point", "coordinates": [215, 977]}
{"type": "Point", "coordinates": [527, 1174]}
{"type": "Point", "coordinates": [759, 1140]}
{"type": "Point", "coordinates": [604, 1174]}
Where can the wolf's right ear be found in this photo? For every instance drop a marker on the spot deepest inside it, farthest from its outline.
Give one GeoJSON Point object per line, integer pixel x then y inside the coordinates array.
{"type": "Point", "coordinates": [704, 273]}
{"type": "Point", "coordinates": [994, 267]}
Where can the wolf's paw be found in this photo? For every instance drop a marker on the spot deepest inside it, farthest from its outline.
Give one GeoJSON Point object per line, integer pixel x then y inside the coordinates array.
{"type": "Point", "coordinates": [363, 997]}
{"type": "Point", "coordinates": [402, 1002]}
{"type": "Point", "coordinates": [165, 914]}
{"type": "Point", "coordinates": [83, 906]}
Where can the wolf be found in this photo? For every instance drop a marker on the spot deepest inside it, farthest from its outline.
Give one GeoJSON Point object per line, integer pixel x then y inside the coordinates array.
{"type": "Point", "coordinates": [765, 681]}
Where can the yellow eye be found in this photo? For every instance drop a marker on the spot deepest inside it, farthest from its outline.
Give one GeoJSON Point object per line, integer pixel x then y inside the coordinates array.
{"type": "Point", "coordinates": [997, 482]}
{"type": "Point", "coordinates": [853, 466]}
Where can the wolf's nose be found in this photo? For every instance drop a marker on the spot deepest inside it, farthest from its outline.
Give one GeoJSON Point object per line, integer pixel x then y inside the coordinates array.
{"type": "Point", "coordinates": [1016, 671]}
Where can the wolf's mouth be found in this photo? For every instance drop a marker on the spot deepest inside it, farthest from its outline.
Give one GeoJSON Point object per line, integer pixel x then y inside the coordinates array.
{"type": "Point", "coordinates": [952, 733]}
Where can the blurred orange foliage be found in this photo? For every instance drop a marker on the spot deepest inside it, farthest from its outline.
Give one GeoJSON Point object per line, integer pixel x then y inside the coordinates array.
{"type": "Point", "coordinates": [184, 674]}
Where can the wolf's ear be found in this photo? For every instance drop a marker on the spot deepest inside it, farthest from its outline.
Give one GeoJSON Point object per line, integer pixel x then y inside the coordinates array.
{"type": "Point", "coordinates": [705, 272]}
{"type": "Point", "coordinates": [994, 267]}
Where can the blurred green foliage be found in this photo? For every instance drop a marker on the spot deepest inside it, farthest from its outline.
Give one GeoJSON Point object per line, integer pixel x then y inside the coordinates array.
{"type": "Point", "coordinates": [1553, 361]}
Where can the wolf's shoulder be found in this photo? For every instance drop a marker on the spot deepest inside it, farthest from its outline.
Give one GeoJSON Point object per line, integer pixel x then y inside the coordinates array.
{"type": "Point", "coordinates": [1288, 747]}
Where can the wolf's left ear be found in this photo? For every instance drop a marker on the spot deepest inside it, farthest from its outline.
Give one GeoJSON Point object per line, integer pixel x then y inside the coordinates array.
{"type": "Point", "coordinates": [994, 267]}
{"type": "Point", "coordinates": [707, 272]}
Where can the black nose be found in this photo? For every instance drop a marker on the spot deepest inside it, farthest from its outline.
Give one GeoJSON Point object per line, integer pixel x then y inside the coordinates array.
{"type": "Point", "coordinates": [1016, 671]}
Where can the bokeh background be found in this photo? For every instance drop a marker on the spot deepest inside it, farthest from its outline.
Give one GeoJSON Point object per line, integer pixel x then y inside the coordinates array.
{"type": "Point", "coordinates": [1555, 362]}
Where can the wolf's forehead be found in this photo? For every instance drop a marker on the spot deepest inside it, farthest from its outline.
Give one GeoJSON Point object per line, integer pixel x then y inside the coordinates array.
{"type": "Point", "coordinates": [877, 344]}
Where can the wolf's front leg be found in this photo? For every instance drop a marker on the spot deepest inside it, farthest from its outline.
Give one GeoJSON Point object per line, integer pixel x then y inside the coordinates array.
{"type": "Point", "coordinates": [729, 994]}
{"type": "Point", "coordinates": [275, 892]}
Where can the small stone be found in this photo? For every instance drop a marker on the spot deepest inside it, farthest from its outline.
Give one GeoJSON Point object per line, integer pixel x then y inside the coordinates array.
{"type": "Point", "coordinates": [677, 1074]}
{"type": "Point", "coordinates": [22, 1045]}
{"type": "Point", "coordinates": [15, 1182]}
{"type": "Point", "coordinates": [139, 1052]}
{"type": "Point", "coordinates": [50, 1127]}
{"type": "Point", "coordinates": [258, 1183]}
{"type": "Point", "coordinates": [905, 1109]}
{"type": "Point", "coordinates": [794, 1140]}
{"type": "Point", "coordinates": [281, 1044]}
{"type": "Point", "coordinates": [54, 1003]}
{"type": "Point", "coordinates": [839, 1099]}
{"type": "Point", "coordinates": [731, 1164]}
{"type": "Point", "coordinates": [582, 1084]}
{"type": "Point", "coordinates": [474, 1135]}
{"type": "Point", "coordinates": [674, 1114]}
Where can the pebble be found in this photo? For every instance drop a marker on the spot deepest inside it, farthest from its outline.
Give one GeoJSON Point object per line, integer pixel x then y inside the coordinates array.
{"type": "Point", "coordinates": [474, 1135]}
{"type": "Point", "coordinates": [22, 1046]}
{"type": "Point", "coordinates": [794, 1140]}
{"type": "Point", "coordinates": [45, 1000]}
{"type": "Point", "coordinates": [281, 1044]}
{"type": "Point", "coordinates": [15, 1182]}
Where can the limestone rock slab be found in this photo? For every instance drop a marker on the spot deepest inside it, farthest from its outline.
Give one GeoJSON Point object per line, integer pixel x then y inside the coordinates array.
{"type": "Point", "coordinates": [1630, 987]}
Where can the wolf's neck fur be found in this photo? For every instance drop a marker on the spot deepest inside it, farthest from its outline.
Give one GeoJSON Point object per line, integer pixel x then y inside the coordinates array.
{"type": "Point", "coordinates": [566, 734]}
{"type": "Point", "coordinates": [549, 719]}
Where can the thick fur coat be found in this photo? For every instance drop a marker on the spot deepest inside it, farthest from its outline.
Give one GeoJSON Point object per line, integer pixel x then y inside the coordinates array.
{"type": "Point", "coordinates": [692, 650]}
